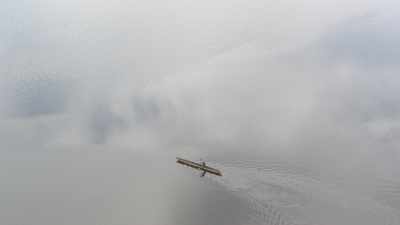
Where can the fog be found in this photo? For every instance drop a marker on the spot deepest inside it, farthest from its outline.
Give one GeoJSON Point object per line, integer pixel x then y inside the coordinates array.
{"type": "Point", "coordinates": [297, 103]}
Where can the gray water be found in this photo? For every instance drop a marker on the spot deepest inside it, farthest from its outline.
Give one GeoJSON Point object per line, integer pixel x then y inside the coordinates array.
{"type": "Point", "coordinates": [297, 103]}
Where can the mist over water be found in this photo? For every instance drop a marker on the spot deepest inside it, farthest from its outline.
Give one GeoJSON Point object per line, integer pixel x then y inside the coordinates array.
{"type": "Point", "coordinates": [297, 103]}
